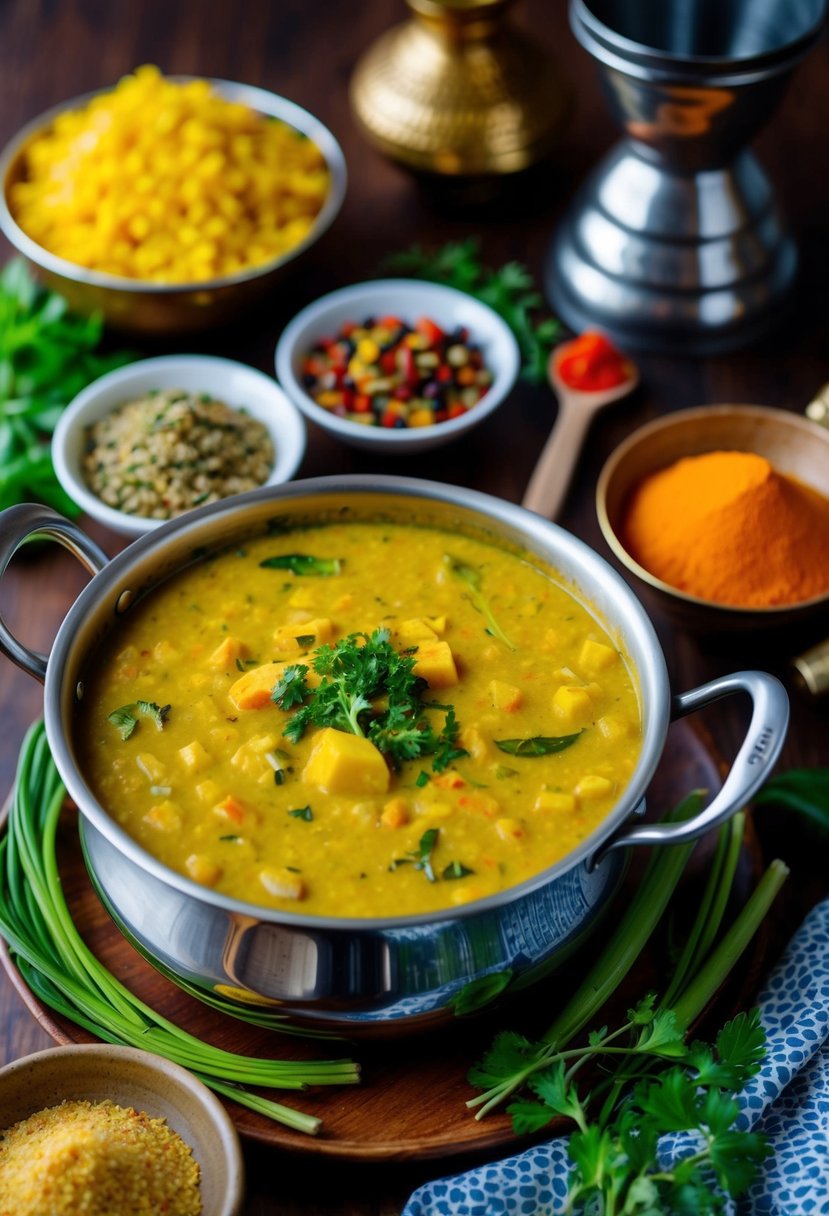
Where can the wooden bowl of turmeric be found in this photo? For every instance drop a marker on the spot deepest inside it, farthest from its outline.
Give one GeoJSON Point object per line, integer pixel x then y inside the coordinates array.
{"type": "Point", "coordinates": [723, 513]}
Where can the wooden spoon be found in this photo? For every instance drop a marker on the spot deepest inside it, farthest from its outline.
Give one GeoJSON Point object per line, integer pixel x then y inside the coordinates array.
{"type": "Point", "coordinates": [551, 476]}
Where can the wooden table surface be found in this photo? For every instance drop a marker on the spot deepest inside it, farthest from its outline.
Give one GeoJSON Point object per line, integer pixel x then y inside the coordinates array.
{"type": "Point", "coordinates": [51, 50]}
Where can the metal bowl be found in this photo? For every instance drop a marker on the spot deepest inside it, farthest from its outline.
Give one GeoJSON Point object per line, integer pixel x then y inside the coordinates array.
{"type": "Point", "coordinates": [794, 446]}
{"type": "Point", "coordinates": [141, 307]}
{"type": "Point", "coordinates": [398, 972]}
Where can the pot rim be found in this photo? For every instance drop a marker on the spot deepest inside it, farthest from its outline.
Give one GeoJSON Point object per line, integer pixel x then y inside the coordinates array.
{"type": "Point", "coordinates": [649, 669]}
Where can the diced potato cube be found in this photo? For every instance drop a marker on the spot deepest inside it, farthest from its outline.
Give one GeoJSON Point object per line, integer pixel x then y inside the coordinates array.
{"type": "Point", "coordinates": [594, 691]}
{"type": "Point", "coordinates": [164, 652]}
{"type": "Point", "coordinates": [230, 808]}
{"type": "Point", "coordinates": [287, 637]}
{"type": "Point", "coordinates": [253, 689]}
{"type": "Point", "coordinates": [227, 652]}
{"type": "Point", "coordinates": [282, 883]}
{"type": "Point", "coordinates": [509, 829]}
{"type": "Point", "coordinates": [573, 705]}
{"type": "Point", "coordinates": [473, 741]}
{"type": "Point", "coordinates": [409, 633]}
{"type": "Point", "coordinates": [437, 623]}
{"type": "Point", "coordinates": [250, 755]}
{"type": "Point", "coordinates": [194, 757]}
{"type": "Point", "coordinates": [613, 727]}
{"type": "Point", "coordinates": [151, 767]}
{"type": "Point", "coordinates": [202, 869]}
{"type": "Point", "coordinates": [592, 787]}
{"type": "Point", "coordinates": [346, 764]}
{"type": "Point", "coordinates": [595, 657]}
{"type": "Point", "coordinates": [435, 663]}
{"type": "Point", "coordinates": [165, 816]}
{"type": "Point", "coordinates": [395, 813]}
{"type": "Point", "coordinates": [208, 791]}
{"type": "Point", "coordinates": [505, 696]}
{"type": "Point", "coordinates": [557, 803]}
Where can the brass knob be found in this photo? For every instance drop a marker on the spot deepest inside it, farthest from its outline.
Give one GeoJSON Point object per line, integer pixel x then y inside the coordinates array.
{"type": "Point", "coordinates": [456, 90]}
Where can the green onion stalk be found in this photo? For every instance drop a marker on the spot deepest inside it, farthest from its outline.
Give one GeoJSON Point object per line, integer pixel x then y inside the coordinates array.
{"type": "Point", "coordinates": [64, 973]}
{"type": "Point", "coordinates": [704, 963]}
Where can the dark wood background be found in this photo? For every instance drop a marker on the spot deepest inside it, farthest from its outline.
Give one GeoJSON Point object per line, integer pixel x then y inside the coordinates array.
{"type": "Point", "coordinates": [51, 50]}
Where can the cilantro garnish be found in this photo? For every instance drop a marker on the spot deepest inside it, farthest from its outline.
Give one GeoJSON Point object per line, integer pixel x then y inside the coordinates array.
{"type": "Point", "coordinates": [369, 689]}
{"type": "Point", "coordinates": [304, 564]}
{"type": "Point", "coordinates": [302, 812]}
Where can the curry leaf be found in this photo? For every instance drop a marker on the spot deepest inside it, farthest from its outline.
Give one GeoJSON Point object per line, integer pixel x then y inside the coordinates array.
{"type": "Point", "coordinates": [456, 869]}
{"type": "Point", "coordinates": [304, 564]}
{"type": "Point", "coordinates": [302, 812]}
{"type": "Point", "coordinates": [425, 849]}
{"type": "Point", "coordinates": [537, 745]}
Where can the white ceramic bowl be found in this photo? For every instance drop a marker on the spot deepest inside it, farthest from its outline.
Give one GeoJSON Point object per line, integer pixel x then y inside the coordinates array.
{"type": "Point", "coordinates": [407, 299]}
{"type": "Point", "coordinates": [236, 384]}
{"type": "Point", "coordinates": [96, 1072]}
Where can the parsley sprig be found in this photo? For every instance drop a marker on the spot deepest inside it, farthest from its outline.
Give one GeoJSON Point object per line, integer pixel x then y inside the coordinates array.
{"type": "Point", "coordinates": [369, 689]}
{"type": "Point", "coordinates": [650, 1079]}
{"type": "Point", "coordinates": [509, 290]}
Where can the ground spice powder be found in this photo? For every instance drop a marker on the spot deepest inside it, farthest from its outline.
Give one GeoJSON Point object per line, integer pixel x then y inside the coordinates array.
{"type": "Point", "coordinates": [90, 1159]}
{"type": "Point", "coordinates": [726, 527]}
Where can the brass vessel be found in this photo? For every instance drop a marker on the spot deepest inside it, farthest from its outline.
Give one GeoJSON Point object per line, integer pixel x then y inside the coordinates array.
{"type": "Point", "coordinates": [457, 91]}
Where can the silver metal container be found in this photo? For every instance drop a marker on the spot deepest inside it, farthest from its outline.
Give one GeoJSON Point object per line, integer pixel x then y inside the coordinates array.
{"type": "Point", "coordinates": [355, 974]}
{"type": "Point", "coordinates": [675, 242]}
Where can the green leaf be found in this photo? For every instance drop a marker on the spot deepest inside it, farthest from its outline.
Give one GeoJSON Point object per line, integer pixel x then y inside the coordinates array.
{"type": "Point", "coordinates": [662, 1036]}
{"type": "Point", "coordinates": [736, 1156]}
{"type": "Point", "coordinates": [473, 579]}
{"type": "Point", "coordinates": [302, 812]}
{"type": "Point", "coordinates": [156, 713]}
{"type": "Point", "coordinates": [425, 848]}
{"type": "Point", "coordinates": [509, 1054]}
{"type": "Point", "coordinates": [529, 1117]}
{"type": "Point", "coordinates": [124, 720]}
{"type": "Point", "coordinates": [538, 745]}
{"type": "Point", "coordinates": [304, 564]}
{"type": "Point", "coordinates": [291, 689]}
{"type": "Point", "coordinates": [741, 1045]}
{"type": "Point", "coordinates": [803, 791]}
{"type": "Point", "coordinates": [456, 869]}
{"type": "Point", "coordinates": [671, 1100]}
{"type": "Point", "coordinates": [556, 1092]}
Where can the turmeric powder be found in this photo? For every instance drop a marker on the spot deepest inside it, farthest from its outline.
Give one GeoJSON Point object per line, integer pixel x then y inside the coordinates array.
{"type": "Point", "coordinates": [726, 527]}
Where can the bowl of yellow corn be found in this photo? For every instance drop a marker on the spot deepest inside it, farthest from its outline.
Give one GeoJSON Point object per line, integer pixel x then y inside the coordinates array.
{"type": "Point", "coordinates": [169, 204]}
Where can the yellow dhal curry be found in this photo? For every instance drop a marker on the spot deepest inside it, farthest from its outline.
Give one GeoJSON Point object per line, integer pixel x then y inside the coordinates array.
{"type": "Point", "coordinates": [360, 720]}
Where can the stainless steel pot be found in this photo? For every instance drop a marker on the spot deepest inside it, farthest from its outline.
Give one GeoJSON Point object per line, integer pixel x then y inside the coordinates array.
{"type": "Point", "coordinates": [356, 974]}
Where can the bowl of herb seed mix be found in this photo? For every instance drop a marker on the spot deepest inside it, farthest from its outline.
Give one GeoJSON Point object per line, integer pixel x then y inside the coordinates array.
{"type": "Point", "coordinates": [162, 436]}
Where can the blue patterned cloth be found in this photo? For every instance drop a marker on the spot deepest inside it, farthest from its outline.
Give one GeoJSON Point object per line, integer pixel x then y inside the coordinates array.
{"type": "Point", "coordinates": [788, 1100]}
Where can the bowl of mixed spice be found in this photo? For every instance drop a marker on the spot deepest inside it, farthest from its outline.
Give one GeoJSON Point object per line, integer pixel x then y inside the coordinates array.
{"type": "Point", "coordinates": [397, 365]}
{"type": "Point", "coordinates": [162, 436]}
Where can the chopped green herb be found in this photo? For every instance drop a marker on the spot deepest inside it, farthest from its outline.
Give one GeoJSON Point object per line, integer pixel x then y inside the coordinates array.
{"type": "Point", "coordinates": [502, 771]}
{"type": "Point", "coordinates": [157, 713]}
{"type": "Point", "coordinates": [368, 689]}
{"type": "Point", "coordinates": [233, 838]}
{"type": "Point", "coordinates": [124, 720]}
{"type": "Point", "coordinates": [472, 578]}
{"type": "Point", "coordinates": [425, 848]}
{"type": "Point", "coordinates": [279, 776]}
{"type": "Point", "coordinates": [305, 640]}
{"type": "Point", "coordinates": [538, 745]}
{"type": "Point", "coordinates": [302, 812]}
{"type": "Point", "coordinates": [303, 564]}
{"type": "Point", "coordinates": [456, 869]}
{"type": "Point", "coordinates": [422, 779]}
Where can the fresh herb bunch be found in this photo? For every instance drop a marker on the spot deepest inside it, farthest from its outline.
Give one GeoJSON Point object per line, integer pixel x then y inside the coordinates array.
{"type": "Point", "coordinates": [369, 689]}
{"type": "Point", "coordinates": [615, 1166]}
{"type": "Point", "coordinates": [509, 290]}
{"type": "Point", "coordinates": [64, 974]}
{"type": "Point", "coordinates": [47, 355]}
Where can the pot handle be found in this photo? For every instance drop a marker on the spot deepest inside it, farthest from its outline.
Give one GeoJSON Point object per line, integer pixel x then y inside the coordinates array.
{"type": "Point", "coordinates": [31, 521]}
{"type": "Point", "coordinates": [751, 767]}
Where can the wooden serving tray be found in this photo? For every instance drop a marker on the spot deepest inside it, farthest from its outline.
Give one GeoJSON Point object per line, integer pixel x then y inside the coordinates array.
{"type": "Point", "coordinates": [410, 1105]}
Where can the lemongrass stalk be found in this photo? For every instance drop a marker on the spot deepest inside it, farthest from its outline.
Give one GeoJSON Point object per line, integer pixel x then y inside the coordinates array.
{"type": "Point", "coordinates": [732, 860]}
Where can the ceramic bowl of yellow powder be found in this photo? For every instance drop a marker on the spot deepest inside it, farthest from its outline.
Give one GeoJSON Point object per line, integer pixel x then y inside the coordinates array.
{"type": "Point", "coordinates": [169, 204]}
{"type": "Point", "coordinates": [91, 1128]}
{"type": "Point", "coordinates": [723, 512]}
